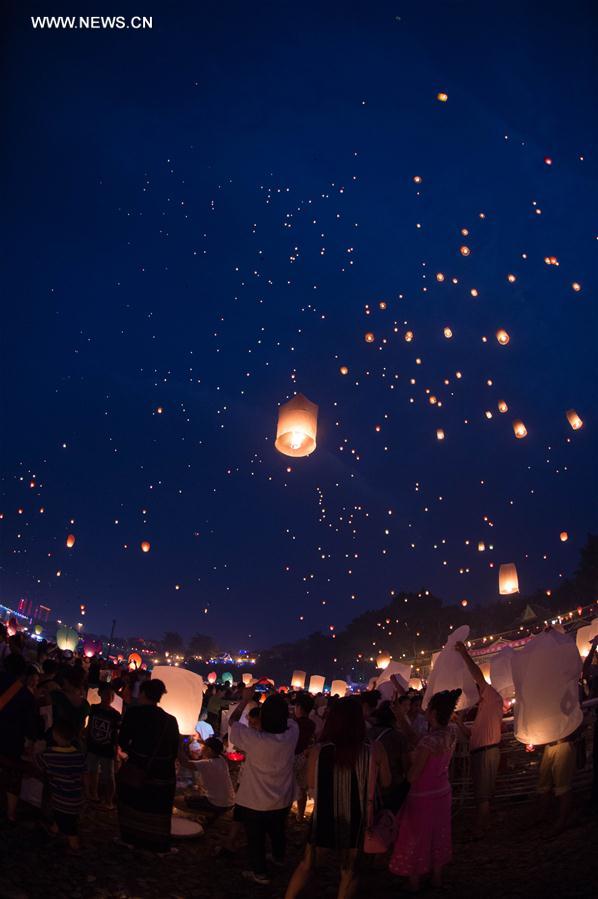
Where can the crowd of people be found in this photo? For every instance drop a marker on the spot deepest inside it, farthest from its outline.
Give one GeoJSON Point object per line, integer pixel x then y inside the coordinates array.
{"type": "Point", "coordinates": [374, 773]}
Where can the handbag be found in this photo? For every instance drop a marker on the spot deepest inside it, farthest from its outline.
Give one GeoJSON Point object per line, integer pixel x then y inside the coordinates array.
{"type": "Point", "coordinates": [381, 828]}
{"type": "Point", "coordinates": [134, 776]}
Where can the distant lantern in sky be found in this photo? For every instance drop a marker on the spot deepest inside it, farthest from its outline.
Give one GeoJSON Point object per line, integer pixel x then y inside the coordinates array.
{"type": "Point", "coordinates": [481, 546]}
{"type": "Point", "coordinates": [511, 278]}
{"type": "Point", "coordinates": [408, 336]}
{"type": "Point", "coordinates": [316, 683]}
{"type": "Point", "coordinates": [564, 536]}
{"type": "Point", "coordinates": [440, 276]}
{"type": "Point", "coordinates": [547, 160]}
{"type": "Point", "coordinates": [382, 305]}
{"type": "Point", "coordinates": [417, 179]}
{"type": "Point", "coordinates": [502, 406]}
{"type": "Point", "coordinates": [502, 337]}
{"type": "Point", "coordinates": [464, 603]}
{"type": "Point", "coordinates": [508, 582]}
{"type": "Point", "coordinates": [519, 429]}
{"type": "Point", "coordinates": [442, 97]}
{"type": "Point", "coordinates": [465, 251]}
{"type": "Point", "coordinates": [447, 333]}
{"type": "Point", "coordinates": [439, 434]}
{"type": "Point", "coordinates": [145, 546]}
{"type": "Point", "coordinates": [297, 427]}
{"type": "Point", "coordinates": [298, 680]}
{"type": "Point", "coordinates": [369, 337]}
{"type": "Point", "coordinates": [574, 419]}
{"type": "Point", "coordinates": [344, 370]}
{"type": "Point", "coordinates": [383, 661]}
{"type": "Point", "coordinates": [70, 541]}
{"type": "Point", "coordinates": [576, 286]}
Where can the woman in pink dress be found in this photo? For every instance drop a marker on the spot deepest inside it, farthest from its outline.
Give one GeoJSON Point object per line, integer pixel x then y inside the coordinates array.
{"type": "Point", "coordinates": [423, 844]}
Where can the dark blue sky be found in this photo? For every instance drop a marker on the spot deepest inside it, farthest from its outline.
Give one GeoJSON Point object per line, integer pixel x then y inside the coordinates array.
{"type": "Point", "coordinates": [196, 218]}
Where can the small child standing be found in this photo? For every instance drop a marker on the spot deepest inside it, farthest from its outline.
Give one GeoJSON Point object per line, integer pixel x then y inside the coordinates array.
{"type": "Point", "coordinates": [102, 736]}
{"type": "Point", "coordinates": [64, 766]}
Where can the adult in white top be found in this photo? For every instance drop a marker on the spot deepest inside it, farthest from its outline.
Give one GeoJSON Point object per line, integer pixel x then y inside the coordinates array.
{"type": "Point", "coordinates": [267, 787]}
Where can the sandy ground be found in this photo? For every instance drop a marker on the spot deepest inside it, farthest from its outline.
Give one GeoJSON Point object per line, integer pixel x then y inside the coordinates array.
{"type": "Point", "coordinates": [516, 859]}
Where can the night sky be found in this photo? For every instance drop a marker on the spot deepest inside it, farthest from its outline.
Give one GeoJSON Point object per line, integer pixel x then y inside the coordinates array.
{"type": "Point", "coordinates": [204, 218]}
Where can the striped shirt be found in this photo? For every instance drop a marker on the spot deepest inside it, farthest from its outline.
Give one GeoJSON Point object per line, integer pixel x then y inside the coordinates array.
{"type": "Point", "coordinates": [64, 767]}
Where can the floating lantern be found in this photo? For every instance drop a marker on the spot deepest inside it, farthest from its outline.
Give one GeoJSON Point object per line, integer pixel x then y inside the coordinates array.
{"type": "Point", "coordinates": [417, 179]}
{"type": "Point", "coordinates": [92, 647]}
{"type": "Point", "coordinates": [439, 434]}
{"type": "Point", "coordinates": [344, 370]}
{"type": "Point", "coordinates": [450, 672]}
{"type": "Point", "coordinates": [547, 160]}
{"type": "Point", "coordinates": [415, 683]}
{"type": "Point", "coordinates": [502, 337]}
{"type": "Point", "coordinates": [564, 536]}
{"type": "Point", "coordinates": [481, 546]}
{"type": "Point", "coordinates": [70, 541]}
{"type": "Point", "coordinates": [502, 406]}
{"type": "Point", "coordinates": [546, 673]}
{"type": "Point", "coordinates": [584, 637]}
{"type": "Point", "coordinates": [383, 661]}
{"type": "Point", "coordinates": [369, 337]}
{"type": "Point", "coordinates": [297, 427]}
{"type": "Point", "coordinates": [442, 97]}
{"type": "Point", "coordinates": [145, 546]}
{"type": "Point", "coordinates": [339, 688]}
{"type": "Point", "coordinates": [227, 678]}
{"type": "Point", "coordinates": [447, 333]}
{"type": "Point", "coordinates": [408, 336]}
{"type": "Point", "coordinates": [464, 603]}
{"type": "Point", "coordinates": [67, 638]}
{"type": "Point", "coordinates": [184, 695]}
{"type": "Point", "coordinates": [519, 429]}
{"type": "Point", "coordinates": [576, 286]}
{"type": "Point", "coordinates": [382, 305]}
{"type": "Point", "coordinates": [316, 683]}
{"type": "Point", "coordinates": [247, 679]}
{"type": "Point", "coordinates": [511, 278]}
{"type": "Point", "coordinates": [212, 677]}
{"type": "Point", "coordinates": [298, 680]}
{"type": "Point", "coordinates": [465, 251]}
{"type": "Point", "coordinates": [440, 276]}
{"type": "Point", "coordinates": [574, 419]}
{"type": "Point", "coordinates": [134, 661]}
{"type": "Point", "coordinates": [38, 629]}
{"type": "Point", "coordinates": [508, 582]}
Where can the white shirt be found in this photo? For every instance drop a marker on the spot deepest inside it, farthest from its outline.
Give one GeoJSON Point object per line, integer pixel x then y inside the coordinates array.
{"type": "Point", "coordinates": [204, 730]}
{"type": "Point", "coordinates": [268, 781]}
{"type": "Point", "coordinates": [214, 777]}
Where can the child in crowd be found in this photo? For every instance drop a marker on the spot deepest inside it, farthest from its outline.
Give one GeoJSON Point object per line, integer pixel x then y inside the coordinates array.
{"type": "Point", "coordinates": [213, 777]}
{"type": "Point", "coordinates": [64, 766]}
{"type": "Point", "coordinates": [102, 736]}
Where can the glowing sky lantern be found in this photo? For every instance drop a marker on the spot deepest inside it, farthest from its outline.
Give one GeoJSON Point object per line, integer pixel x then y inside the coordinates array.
{"type": "Point", "coordinates": [511, 278]}
{"type": "Point", "coordinates": [464, 250]}
{"type": "Point", "coordinates": [564, 536]}
{"type": "Point", "coordinates": [584, 637]}
{"type": "Point", "coordinates": [408, 336]}
{"type": "Point", "coordinates": [439, 434]}
{"type": "Point", "coordinates": [501, 673]}
{"type": "Point", "coordinates": [417, 179]}
{"type": "Point", "coordinates": [383, 661]}
{"type": "Point", "coordinates": [481, 546]}
{"type": "Point", "coordinates": [92, 647]}
{"type": "Point", "coordinates": [442, 97]}
{"type": "Point", "coordinates": [247, 678]}
{"type": "Point", "coordinates": [508, 582]}
{"type": "Point", "coordinates": [70, 541]}
{"type": "Point", "coordinates": [298, 680]}
{"type": "Point", "coordinates": [464, 603]}
{"type": "Point", "coordinates": [212, 677]}
{"type": "Point", "coordinates": [316, 683]}
{"type": "Point", "coordinates": [145, 546]}
{"type": "Point", "coordinates": [576, 286]}
{"type": "Point", "coordinates": [339, 688]}
{"type": "Point", "coordinates": [574, 419]}
{"type": "Point", "coordinates": [502, 406]}
{"type": "Point", "coordinates": [184, 695]}
{"type": "Point", "coordinates": [447, 333]}
{"type": "Point", "coordinates": [450, 673]}
{"type": "Point", "coordinates": [227, 678]}
{"type": "Point", "coordinates": [344, 370]}
{"type": "Point", "coordinates": [134, 661]}
{"type": "Point", "coordinates": [67, 638]}
{"type": "Point", "coordinates": [502, 337]}
{"type": "Point", "coordinates": [546, 674]}
{"type": "Point", "coordinates": [519, 429]}
{"type": "Point", "coordinates": [369, 337]}
{"type": "Point", "coordinates": [297, 427]}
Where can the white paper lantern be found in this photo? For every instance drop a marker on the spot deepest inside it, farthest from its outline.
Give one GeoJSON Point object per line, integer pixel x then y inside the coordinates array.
{"type": "Point", "coordinates": [546, 674]}
{"type": "Point", "coordinates": [298, 680]}
{"type": "Point", "coordinates": [184, 695]}
{"type": "Point", "coordinates": [415, 683]}
{"type": "Point", "coordinates": [584, 637]}
{"type": "Point", "coordinates": [383, 661]}
{"type": "Point", "coordinates": [450, 673]}
{"type": "Point", "coordinates": [67, 638]}
{"type": "Point", "coordinates": [501, 673]}
{"type": "Point", "coordinates": [297, 427]}
{"type": "Point", "coordinates": [247, 678]}
{"type": "Point", "coordinates": [339, 687]}
{"type": "Point", "coordinates": [508, 582]}
{"type": "Point", "coordinates": [316, 683]}
{"type": "Point", "coordinates": [400, 669]}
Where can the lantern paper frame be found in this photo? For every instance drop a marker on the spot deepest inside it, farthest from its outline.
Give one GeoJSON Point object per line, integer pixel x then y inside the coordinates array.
{"type": "Point", "coordinates": [508, 579]}
{"type": "Point", "coordinates": [184, 696]}
{"type": "Point", "coordinates": [298, 680]}
{"type": "Point", "coordinates": [297, 417]}
{"type": "Point", "coordinates": [316, 683]}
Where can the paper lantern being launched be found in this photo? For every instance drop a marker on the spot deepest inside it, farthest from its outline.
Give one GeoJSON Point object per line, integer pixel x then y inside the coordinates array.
{"type": "Point", "coordinates": [297, 427]}
{"type": "Point", "coordinates": [298, 680]}
{"type": "Point", "coordinates": [316, 683]}
{"type": "Point", "coordinates": [212, 677]}
{"type": "Point", "coordinates": [400, 670]}
{"type": "Point", "coordinates": [70, 541]}
{"type": "Point", "coordinates": [227, 678]}
{"type": "Point", "coordinates": [584, 637]}
{"type": "Point", "coordinates": [546, 674]}
{"type": "Point", "coordinates": [184, 696]}
{"type": "Point", "coordinates": [415, 683]}
{"type": "Point", "coordinates": [339, 688]}
{"type": "Point", "coordinates": [67, 638]}
{"type": "Point", "coordinates": [574, 419]}
{"type": "Point", "coordinates": [247, 679]}
{"type": "Point", "coordinates": [508, 582]}
{"type": "Point", "coordinates": [519, 429]}
{"type": "Point", "coordinates": [564, 536]}
{"type": "Point", "coordinates": [134, 661]}
{"type": "Point", "coordinates": [501, 673]}
{"type": "Point", "coordinates": [92, 647]}
{"type": "Point", "coordinates": [383, 661]}
{"type": "Point", "coordinates": [450, 672]}
{"type": "Point", "coordinates": [502, 336]}
{"type": "Point", "coordinates": [145, 546]}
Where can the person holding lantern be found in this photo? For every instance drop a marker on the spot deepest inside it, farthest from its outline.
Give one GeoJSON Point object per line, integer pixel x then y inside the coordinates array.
{"type": "Point", "coordinates": [590, 675]}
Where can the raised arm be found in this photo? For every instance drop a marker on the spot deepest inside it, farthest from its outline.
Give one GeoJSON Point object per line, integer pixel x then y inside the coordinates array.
{"type": "Point", "coordinates": [473, 669]}
{"type": "Point", "coordinates": [246, 697]}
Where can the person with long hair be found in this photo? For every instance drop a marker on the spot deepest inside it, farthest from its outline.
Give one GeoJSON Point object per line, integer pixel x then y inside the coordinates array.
{"type": "Point", "coordinates": [266, 790]}
{"type": "Point", "coordinates": [338, 773]}
{"type": "Point", "coordinates": [423, 843]}
{"type": "Point", "coordinates": [147, 780]}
